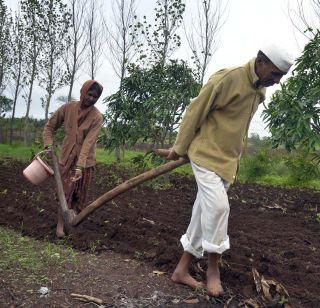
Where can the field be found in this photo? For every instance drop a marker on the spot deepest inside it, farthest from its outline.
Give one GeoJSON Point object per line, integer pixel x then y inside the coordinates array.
{"type": "Point", "coordinates": [124, 253]}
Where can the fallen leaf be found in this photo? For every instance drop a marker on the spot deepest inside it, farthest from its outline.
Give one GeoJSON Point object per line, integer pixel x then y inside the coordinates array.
{"type": "Point", "coordinates": [257, 280]}
{"type": "Point", "coordinates": [200, 268]}
{"type": "Point", "coordinates": [158, 273]}
{"type": "Point", "coordinates": [149, 221]}
{"type": "Point", "coordinates": [251, 303]}
{"type": "Point", "coordinates": [191, 301]}
{"type": "Point", "coordinates": [270, 290]}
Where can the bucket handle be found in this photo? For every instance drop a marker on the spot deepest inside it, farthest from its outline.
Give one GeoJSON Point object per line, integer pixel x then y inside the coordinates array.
{"type": "Point", "coordinates": [38, 154]}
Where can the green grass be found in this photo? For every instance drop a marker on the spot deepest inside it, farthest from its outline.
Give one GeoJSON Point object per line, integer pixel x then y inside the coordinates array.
{"type": "Point", "coordinates": [276, 175]}
{"type": "Point", "coordinates": [19, 152]}
{"type": "Point", "coordinates": [21, 253]}
{"type": "Point", "coordinates": [105, 157]}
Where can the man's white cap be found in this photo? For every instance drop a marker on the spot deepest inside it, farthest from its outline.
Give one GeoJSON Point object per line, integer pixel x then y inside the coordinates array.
{"type": "Point", "coordinates": [278, 56]}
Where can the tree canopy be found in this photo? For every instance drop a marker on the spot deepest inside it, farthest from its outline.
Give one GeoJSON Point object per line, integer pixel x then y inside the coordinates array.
{"type": "Point", "coordinates": [150, 103]}
{"type": "Point", "coordinates": [293, 113]}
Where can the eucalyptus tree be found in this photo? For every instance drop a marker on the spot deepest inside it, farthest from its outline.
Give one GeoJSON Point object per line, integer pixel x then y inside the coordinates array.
{"type": "Point", "coordinates": [55, 23]}
{"type": "Point", "coordinates": [5, 51]}
{"type": "Point", "coordinates": [95, 37]}
{"type": "Point", "coordinates": [160, 38]}
{"type": "Point", "coordinates": [293, 115]}
{"type": "Point", "coordinates": [202, 33]}
{"type": "Point", "coordinates": [75, 51]}
{"type": "Point", "coordinates": [18, 46]}
{"type": "Point", "coordinates": [31, 16]}
{"type": "Point", "coordinates": [119, 41]}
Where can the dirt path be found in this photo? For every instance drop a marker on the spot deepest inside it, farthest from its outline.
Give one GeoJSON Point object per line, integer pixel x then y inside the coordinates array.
{"type": "Point", "coordinates": [272, 230]}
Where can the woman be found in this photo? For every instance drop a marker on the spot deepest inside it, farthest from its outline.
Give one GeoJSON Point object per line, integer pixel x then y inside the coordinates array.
{"type": "Point", "coordinates": [82, 123]}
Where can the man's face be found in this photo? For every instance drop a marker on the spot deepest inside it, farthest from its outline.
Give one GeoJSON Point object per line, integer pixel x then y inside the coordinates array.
{"type": "Point", "coordinates": [90, 98]}
{"type": "Point", "coordinates": [268, 73]}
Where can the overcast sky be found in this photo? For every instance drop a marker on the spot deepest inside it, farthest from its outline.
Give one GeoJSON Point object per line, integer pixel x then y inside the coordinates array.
{"type": "Point", "coordinates": [249, 24]}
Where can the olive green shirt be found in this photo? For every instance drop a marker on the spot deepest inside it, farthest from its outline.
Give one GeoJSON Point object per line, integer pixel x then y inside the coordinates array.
{"type": "Point", "coordinates": [215, 124]}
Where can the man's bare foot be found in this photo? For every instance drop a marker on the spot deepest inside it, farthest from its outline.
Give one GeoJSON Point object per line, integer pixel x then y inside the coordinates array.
{"type": "Point", "coordinates": [214, 286]}
{"type": "Point", "coordinates": [187, 279]}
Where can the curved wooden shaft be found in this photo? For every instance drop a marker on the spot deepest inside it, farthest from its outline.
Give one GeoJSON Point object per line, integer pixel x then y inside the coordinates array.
{"type": "Point", "coordinates": [126, 186]}
{"type": "Point", "coordinates": [68, 215]}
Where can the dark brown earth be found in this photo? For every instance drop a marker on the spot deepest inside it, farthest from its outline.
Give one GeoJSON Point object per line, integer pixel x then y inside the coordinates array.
{"type": "Point", "coordinates": [272, 230]}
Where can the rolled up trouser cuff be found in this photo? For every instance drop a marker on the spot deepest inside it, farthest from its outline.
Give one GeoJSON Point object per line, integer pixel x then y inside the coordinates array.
{"type": "Point", "coordinates": [211, 248]}
{"type": "Point", "coordinates": [189, 248]}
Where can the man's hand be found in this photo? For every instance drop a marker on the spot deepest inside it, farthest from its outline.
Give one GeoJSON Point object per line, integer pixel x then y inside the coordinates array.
{"type": "Point", "coordinates": [77, 176]}
{"type": "Point", "coordinates": [172, 155]}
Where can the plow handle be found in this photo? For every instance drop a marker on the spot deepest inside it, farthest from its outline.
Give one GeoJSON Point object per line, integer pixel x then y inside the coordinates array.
{"type": "Point", "coordinates": [131, 183]}
{"type": "Point", "coordinates": [68, 215]}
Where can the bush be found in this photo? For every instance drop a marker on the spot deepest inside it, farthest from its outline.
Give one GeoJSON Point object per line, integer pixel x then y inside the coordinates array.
{"type": "Point", "coordinates": [302, 170]}
{"type": "Point", "coordinates": [255, 166]}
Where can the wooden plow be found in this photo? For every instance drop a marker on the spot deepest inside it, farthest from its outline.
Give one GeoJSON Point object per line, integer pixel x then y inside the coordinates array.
{"type": "Point", "coordinates": [72, 219]}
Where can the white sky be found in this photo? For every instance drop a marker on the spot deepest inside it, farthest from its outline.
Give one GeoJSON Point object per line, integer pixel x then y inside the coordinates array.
{"type": "Point", "coordinates": [250, 23]}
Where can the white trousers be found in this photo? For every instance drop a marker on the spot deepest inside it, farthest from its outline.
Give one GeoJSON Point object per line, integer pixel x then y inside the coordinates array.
{"type": "Point", "coordinates": [208, 227]}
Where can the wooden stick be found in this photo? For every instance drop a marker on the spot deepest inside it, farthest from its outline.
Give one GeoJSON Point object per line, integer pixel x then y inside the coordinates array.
{"type": "Point", "coordinates": [68, 214]}
{"type": "Point", "coordinates": [87, 298]}
{"type": "Point", "coordinates": [126, 186]}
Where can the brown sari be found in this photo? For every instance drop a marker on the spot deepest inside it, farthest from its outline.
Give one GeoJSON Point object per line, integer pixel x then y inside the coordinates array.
{"type": "Point", "coordinates": [76, 192]}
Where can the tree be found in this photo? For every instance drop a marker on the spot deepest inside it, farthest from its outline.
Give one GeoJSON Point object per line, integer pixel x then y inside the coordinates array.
{"type": "Point", "coordinates": [202, 34]}
{"type": "Point", "coordinates": [150, 104]}
{"type": "Point", "coordinates": [120, 42]}
{"type": "Point", "coordinates": [55, 22]}
{"type": "Point", "coordinates": [306, 16]}
{"type": "Point", "coordinates": [31, 18]}
{"type": "Point", "coordinates": [18, 46]}
{"type": "Point", "coordinates": [5, 105]}
{"type": "Point", "coordinates": [95, 37]}
{"type": "Point", "coordinates": [293, 113]}
{"type": "Point", "coordinates": [75, 50]}
{"type": "Point", "coordinates": [160, 39]}
{"type": "Point", "coordinates": [5, 52]}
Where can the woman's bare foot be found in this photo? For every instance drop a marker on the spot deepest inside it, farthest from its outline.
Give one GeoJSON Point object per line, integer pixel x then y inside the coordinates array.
{"type": "Point", "coordinates": [60, 234]}
{"type": "Point", "coordinates": [60, 226]}
{"type": "Point", "coordinates": [214, 286]}
{"type": "Point", "coordinates": [187, 279]}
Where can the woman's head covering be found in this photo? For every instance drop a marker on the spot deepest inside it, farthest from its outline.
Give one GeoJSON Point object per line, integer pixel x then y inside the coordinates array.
{"type": "Point", "coordinates": [90, 85]}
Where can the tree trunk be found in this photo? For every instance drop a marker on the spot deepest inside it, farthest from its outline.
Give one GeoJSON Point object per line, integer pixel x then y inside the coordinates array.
{"type": "Point", "coordinates": [15, 103]}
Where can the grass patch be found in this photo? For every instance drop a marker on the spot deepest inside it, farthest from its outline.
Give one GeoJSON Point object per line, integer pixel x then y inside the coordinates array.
{"type": "Point", "coordinates": [257, 169]}
{"type": "Point", "coordinates": [23, 254]}
{"type": "Point", "coordinates": [16, 151]}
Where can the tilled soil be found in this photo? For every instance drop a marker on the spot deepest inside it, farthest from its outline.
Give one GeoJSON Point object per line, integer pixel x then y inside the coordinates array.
{"type": "Point", "coordinates": [272, 230]}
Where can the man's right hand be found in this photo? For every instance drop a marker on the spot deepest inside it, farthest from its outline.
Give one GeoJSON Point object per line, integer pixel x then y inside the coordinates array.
{"type": "Point", "coordinates": [173, 155]}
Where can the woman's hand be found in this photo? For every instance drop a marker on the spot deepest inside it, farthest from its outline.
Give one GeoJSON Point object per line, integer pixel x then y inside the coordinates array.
{"type": "Point", "coordinates": [77, 176]}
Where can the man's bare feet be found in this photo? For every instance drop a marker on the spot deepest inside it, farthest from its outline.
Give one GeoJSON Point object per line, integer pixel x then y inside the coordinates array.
{"type": "Point", "coordinates": [187, 279]}
{"type": "Point", "coordinates": [214, 286]}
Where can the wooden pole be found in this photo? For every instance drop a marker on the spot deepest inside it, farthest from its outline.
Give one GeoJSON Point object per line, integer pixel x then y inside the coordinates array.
{"type": "Point", "coordinates": [68, 214]}
{"type": "Point", "coordinates": [125, 186]}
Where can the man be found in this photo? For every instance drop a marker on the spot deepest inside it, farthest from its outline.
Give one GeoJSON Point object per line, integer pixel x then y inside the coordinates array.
{"type": "Point", "coordinates": [212, 133]}
{"type": "Point", "coordinates": [82, 123]}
